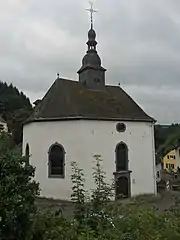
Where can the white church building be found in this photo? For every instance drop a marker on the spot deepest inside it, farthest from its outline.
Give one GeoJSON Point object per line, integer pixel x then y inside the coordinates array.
{"type": "Point", "coordinates": [79, 119]}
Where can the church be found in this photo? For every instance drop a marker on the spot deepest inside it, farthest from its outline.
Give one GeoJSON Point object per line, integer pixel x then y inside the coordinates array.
{"type": "Point", "coordinates": [76, 120]}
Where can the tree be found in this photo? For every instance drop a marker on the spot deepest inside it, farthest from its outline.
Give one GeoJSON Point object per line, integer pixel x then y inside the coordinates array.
{"type": "Point", "coordinates": [15, 107]}
{"type": "Point", "coordinates": [15, 122]}
{"type": "Point", "coordinates": [78, 194]}
{"type": "Point", "coordinates": [103, 193]}
{"type": "Point", "coordinates": [17, 191]}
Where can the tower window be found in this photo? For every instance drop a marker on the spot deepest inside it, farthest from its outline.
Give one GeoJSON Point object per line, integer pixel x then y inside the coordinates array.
{"type": "Point", "coordinates": [56, 161]}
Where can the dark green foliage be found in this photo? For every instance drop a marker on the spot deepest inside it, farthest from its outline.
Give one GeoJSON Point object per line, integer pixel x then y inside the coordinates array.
{"type": "Point", "coordinates": [90, 212]}
{"type": "Point", "coordinates": [51, 226]}
{"type": "Point", "coordinates": [55, 227]}
{"type": "Point", "coordinates": [15, 122]}
{"type": "Point", "coordinates": [137, 221]}
{"type": "Point", "coordinates": [11, 99]}
{"type": "Point", "coordinates": [17, 191]}
{"type": "Point", "coordinates": [99, 218]}
{"type": "Point", "coordinates": [15, 107]}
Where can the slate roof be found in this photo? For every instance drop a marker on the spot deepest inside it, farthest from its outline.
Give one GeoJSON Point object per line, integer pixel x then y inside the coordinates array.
{"type": "Point", "coordinates": [67, 99]}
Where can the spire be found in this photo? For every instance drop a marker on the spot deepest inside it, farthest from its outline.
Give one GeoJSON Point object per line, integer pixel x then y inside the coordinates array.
{"type": "Point", "coordinates": [92, 74]}
{"type": "Point", "coordinates": [91, 34]}
{"type": "Point", "coordinates": [92, 11]}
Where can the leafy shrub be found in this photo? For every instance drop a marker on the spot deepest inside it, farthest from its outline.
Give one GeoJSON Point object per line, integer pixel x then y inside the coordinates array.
{"type": "Point", "coordinates": [17, 191]}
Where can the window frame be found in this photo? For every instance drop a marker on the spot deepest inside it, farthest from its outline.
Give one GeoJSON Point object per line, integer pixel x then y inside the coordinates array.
{"type": "Point", "coordinates": [50, 175]}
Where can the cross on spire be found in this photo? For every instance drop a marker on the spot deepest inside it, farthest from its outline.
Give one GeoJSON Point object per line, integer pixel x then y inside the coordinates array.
{"type": "Point", "coordinates": [92, 11]}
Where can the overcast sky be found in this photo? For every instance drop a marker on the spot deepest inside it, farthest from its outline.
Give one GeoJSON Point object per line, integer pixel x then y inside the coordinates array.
{"type": "Point", "coordinates": [139, 43]}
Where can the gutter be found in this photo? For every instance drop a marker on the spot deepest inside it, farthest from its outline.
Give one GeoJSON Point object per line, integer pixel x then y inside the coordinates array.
{"type": "Point", "coordinates": [150, 120]}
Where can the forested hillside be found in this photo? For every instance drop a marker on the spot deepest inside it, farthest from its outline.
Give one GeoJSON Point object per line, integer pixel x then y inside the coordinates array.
{"type": "Point", "coordinates": [15, 107]}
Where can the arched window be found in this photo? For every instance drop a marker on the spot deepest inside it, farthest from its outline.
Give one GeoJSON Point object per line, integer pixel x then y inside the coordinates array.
{"type": "Point", "coordinates": [56, 161]}
{"type": "Point", "coordinates": [121, 157]}
{"type": "Point", "coordinates": [27, 154]}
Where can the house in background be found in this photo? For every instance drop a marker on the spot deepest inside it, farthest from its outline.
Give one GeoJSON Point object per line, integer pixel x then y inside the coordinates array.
{"type": "Point", "coordinates": [171, 160]}
{"type": "Point", "coordinates": [3, 125]}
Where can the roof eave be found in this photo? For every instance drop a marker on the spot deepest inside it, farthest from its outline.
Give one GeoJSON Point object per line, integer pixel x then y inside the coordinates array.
{"type": "Point", "coordinates": [151, 120]}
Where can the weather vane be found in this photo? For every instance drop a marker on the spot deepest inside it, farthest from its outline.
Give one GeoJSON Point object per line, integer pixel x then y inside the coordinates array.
{"type": "Point", "coordinates": [92, 11]}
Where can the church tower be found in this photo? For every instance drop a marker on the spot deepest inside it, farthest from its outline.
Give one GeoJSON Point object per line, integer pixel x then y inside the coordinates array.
{"type": "Point", "coordinates": [92, 74]}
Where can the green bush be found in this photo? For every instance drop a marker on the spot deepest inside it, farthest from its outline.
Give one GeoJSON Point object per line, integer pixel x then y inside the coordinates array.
{"type": "Point", "coordinates": [17, 191]}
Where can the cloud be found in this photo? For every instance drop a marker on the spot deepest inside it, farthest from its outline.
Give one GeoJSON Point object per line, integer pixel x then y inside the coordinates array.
{"type": "Point", "coordinates": [138, 43]}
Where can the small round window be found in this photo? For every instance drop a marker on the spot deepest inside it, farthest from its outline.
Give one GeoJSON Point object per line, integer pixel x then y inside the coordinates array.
{"type": "Point", "coordinates": [121, 127]}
